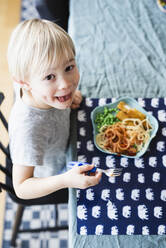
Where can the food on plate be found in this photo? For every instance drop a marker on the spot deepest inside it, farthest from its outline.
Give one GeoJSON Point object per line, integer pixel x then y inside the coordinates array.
{"type": "Point", "coordinates": [127, 112]}
{"type": "Point", "coordinates": [122, 130]}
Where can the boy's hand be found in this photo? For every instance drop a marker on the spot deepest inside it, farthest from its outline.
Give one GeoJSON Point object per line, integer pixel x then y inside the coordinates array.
{"type": "Point", "coordinates": [76, 100]}
{"type": "Point", "coordinates": [77, 177]}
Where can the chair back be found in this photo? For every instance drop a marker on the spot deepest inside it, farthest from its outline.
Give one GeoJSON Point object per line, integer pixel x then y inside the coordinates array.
{"type": "Point", "coordinates": [5, 150]}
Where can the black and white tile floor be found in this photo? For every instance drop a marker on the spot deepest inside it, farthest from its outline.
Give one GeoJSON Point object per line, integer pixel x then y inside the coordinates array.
{"type": "Point", "coordinates": [36, 217]}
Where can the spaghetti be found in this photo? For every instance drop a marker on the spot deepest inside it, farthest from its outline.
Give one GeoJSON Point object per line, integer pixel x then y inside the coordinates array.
{"type": "Point", "coordinates": [125, 137]}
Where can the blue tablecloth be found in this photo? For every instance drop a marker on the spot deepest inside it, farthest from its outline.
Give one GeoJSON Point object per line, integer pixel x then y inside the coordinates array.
{"type": "Point", "coordinates": [129, 204]}
{"type": "Point", "coordinates": [95, 241]}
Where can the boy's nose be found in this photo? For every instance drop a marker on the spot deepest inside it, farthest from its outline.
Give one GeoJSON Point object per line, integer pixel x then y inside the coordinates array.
{"type": "Point", "coordinates": [63, 83]}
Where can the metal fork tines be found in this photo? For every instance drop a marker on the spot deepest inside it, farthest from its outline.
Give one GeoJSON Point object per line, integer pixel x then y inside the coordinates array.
{"type": "Point", "coordinates": [113, 172]}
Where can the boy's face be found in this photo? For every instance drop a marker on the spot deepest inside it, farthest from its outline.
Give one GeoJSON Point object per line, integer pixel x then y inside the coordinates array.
{"type": "Point", "coordinates": [56, 87]}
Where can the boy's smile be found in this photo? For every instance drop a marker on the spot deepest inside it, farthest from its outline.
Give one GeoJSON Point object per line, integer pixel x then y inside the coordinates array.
{"type": "Point", "coordinates": [55, 89]}
{"type": "Point", "coordinates": [64, 98]}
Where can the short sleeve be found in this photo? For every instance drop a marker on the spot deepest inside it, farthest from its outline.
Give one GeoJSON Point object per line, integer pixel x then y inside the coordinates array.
{"type": "Point", "coordinates": [39, 138]}
{"type": "Point", "coordinates": [28, 142]}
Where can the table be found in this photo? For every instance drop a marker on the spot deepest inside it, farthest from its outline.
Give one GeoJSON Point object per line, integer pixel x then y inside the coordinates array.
{"type": "Point", "coordinates": [88, 105]}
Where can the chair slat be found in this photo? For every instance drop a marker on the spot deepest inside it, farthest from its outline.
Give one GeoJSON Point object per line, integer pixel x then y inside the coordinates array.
{"type": "Point", "coordinates": [6, 188]}
{"type": "Point", "coordinates": [5, 150]}
{"type": "Point", "coordinates": [5, 171]}
{"type": "Point", "coordinates": [1, 97]}
{"type": "Point", "coordinates": [3, 120]}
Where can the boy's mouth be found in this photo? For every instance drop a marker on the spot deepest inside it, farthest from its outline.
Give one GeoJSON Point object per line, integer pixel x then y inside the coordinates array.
{"type": "Point", "coordinates": [64, 98]}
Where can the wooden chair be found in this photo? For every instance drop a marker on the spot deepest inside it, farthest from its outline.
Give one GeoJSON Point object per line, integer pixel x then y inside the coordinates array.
{"type": "Point", "coordinates": [56, 198]}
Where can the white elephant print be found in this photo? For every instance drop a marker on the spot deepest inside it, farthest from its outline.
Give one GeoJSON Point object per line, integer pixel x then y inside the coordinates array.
{"type": "Point", "coordinates": [99, 230]}
{"type": "Point", "coordinates": [161, 230]}
{"type": "Point", "coordinates": [82, 158]}
{"type": "Point", "coordinates": [126, 211]}
{"type": "Point", "coordinates": [155, 102]}
{"type": "Point", "coordinates": [139, 163]}
{"type": "Point", "coordinates": [143, 212]}
{"type": "Point", "coordinates": [124, 162]}
{"type": "Point", "coordinates": [163, 195]}
{"type": "Point", "coordinates": [141, 102]}
{"type": "Point", "coordinates": [156, 177]}
{"type": "Point", "coordinates": [78, 144]}
{"type": "Point", "coordinates": [149, 194]}
{"type": "Point", "coordinates": [112, 211]}
{"type": "Point", "coordinates": [90, 194]}
{"type": "Point", "coordinates": [96, 161]}
{"type": "Point", "coordinates": [88, 102]}
{"type": "Point", "coordinates": [153, 161]}
{"type": "Point", "coordinates": [82, 212]}
{"type": "Point", "coordinates": [145, 230]}
{"type": "Point", "coordinates": [81, 116]}
{"type": "Point", "coordinates": [158, 212]}
{"type": "Point", "coordinates": [105, 194]}
{"type": "Point", "coordinates": [161, 146]}
{"type": "Point", "coordinates": [83, 230]}
{"type": "Point", "coordinates": [114, 230]}
{"type": "Point", "coordinates": [120, 194]}
{"type": "Point", "coordinates": [130, 229]}
{"type": "Point", "coordinates": [141, 178]}
{"type": "Point", "coordinates": [110, 161]}
{"type": "Point", "coordinates": [89, 145]}
{"type": "Point", "coordinates": [82, 131]}
{"type": "Point", "coordinates": [135, 194]}
{"type": "Point", "coordinates": [127, 177]}
{"type": "Point", "coordinates": [111, 180]}
{"type": "Point", "coordinates": [164, 131]}
{"type": "Point", "coordinates": [102, 101]}
{"type": "Point", "coordinates": [96, 211]}
{"type": "Point", "coordinates": [162, 115]}
{"type": "Point", "coordinates": [164, 160]}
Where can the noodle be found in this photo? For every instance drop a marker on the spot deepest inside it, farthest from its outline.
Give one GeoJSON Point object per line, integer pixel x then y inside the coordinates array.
{"type": "Point", "coordinates": [125, 137]}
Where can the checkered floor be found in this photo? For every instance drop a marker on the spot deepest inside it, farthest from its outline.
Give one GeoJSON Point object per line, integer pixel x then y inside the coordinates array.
{"type": "Point", "coordinates": [36, 216]}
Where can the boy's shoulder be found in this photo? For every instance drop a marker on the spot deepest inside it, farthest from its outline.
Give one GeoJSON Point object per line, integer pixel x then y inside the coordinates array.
{"type": "Point", "coordinates": [26, 116]}
{"type": "Point", "coordinates": [24, 112]}
{"type": "Point", "coordinates": [29, 123]}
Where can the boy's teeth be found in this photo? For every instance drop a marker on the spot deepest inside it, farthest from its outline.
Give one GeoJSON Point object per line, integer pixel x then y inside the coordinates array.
{"type": "Point", "coordinates": [63, 98]}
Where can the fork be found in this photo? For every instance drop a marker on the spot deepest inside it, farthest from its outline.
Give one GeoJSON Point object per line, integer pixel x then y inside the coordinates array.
{"type": "Point", "coordinates": [112, 172]}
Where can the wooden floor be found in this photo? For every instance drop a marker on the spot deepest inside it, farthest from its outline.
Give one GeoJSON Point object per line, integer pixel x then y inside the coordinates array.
{"type": "Point", "coordinates": [9, 17]}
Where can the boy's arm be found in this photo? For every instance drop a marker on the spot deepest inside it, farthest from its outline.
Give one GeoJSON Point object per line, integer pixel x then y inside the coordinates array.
{"type": "Point", "coordinates": [29, 187]}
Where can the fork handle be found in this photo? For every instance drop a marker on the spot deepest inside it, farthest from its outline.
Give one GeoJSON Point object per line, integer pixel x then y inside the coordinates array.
{"type": "Point", "coordinates": [76, 163]}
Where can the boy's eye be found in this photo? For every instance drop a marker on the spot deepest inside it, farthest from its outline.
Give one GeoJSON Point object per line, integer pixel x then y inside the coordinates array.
{"type": "Point", "coordinates": [50, 77]}
{"type": "Point", "coordinates": [69, 68]}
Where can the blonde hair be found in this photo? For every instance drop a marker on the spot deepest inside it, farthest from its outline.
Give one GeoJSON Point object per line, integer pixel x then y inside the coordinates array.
{"type": "Point", "coordinates": [35, 45]}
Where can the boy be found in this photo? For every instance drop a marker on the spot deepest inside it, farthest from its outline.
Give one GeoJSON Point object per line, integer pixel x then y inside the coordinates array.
{"type": "Point", "coordinates": [41, 60]}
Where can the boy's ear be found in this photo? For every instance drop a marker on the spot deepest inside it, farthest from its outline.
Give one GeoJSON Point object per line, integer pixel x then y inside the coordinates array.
{"type": "Point", "coordinates": [22, 84]}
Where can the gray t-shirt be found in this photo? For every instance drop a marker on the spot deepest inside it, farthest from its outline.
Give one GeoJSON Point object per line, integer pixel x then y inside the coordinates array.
{"type": "Point", "coordinates": [39, 138]}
